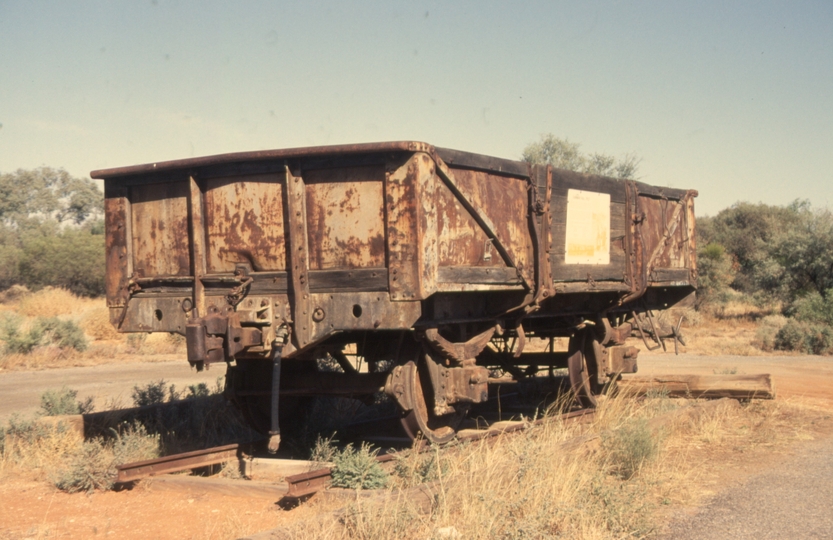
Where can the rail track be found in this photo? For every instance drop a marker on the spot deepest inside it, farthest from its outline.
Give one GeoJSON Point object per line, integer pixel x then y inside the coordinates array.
{"type": "Point", "coordinates": [300, 486]}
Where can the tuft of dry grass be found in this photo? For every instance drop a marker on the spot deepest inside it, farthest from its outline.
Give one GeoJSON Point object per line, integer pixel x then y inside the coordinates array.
{"type": "Point", "coordinates": [53, 302]}
{"type": "Point", "coordinates": [96, 324]}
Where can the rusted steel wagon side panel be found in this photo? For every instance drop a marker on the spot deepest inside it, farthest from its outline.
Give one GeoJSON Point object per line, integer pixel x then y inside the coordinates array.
{"type": "Point", "coordinates": [244, 223]}
{"type": "Point", "coordinates": [346, 217]}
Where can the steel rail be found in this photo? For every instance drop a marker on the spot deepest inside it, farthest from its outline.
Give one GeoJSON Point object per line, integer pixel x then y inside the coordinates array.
{"type": "Point", "coordinates": [130, 472]}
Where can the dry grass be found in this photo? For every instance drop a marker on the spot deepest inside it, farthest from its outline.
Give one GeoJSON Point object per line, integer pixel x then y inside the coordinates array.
{"type": "Point", "coordinates": [520, 488]}
{"type": "Point", "coordinates": [36, 449]}
{"type": "Point", "coordinates": [53, 302]}
{"type": "Point", "coordinates": [91, 314]}
{"type": "Point", "coordinates": [96, 324]}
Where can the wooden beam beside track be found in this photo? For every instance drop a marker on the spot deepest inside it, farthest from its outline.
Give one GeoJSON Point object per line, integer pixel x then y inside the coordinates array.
{"type": "Point", "coordinates": [702, 386]}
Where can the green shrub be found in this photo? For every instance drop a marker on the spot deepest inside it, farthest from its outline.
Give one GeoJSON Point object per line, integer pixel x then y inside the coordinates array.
{"type": "Point", "coordinates": [324, 450]}
{"type": "Point", "coordinates": [768, 328]}
{"type": "Point", "coordinates": [63, 333]}
{"type": "Point", "coordinates": [811, 338]}
{"type": "Point", "coordinates": [71, 258]}
{"type": "Point", "coordinates": [715, 273]}
{"type": "Point", "coordinates": [630, 447]}
{"type": "Point", "coordinates": [196, 391]}
{"type": "Point", "coordinates": [91, 467]}
{"type": "Point", "coordinates": [814, 308]}
{"type": "Point", "coordinates": [61, 402]}
{"type": "Point", "coordinates": [134, 443]}
{"type": "Point", "coordinates": [17, 341]}
{"type": "Point", "coordinates": [26, 430]}
{"type": "Point", "coordinates": [357, 468]}
{"type": "Point", "coordinates": [154, 393]}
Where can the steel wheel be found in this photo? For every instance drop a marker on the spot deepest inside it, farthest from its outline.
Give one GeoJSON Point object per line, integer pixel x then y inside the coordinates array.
{"type": "Point", "coordinates": [583, 377]}
{"type": "Point", "coordinates": [421, 419]}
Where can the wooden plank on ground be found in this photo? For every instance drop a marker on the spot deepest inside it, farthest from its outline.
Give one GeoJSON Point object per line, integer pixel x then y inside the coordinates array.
{"type": "Point", "coordinates": [703, 386]}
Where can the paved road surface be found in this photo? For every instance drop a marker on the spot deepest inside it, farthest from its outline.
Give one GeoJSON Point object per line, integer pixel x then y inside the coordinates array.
{"type": "Point", "coordinates": [20, 391]}
{"type": "Point", "coordinates": [794, 500]}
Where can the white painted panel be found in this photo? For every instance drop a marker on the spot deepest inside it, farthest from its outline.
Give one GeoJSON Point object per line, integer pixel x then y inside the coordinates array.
{"type": "Point", "coordinates": [588, 228]}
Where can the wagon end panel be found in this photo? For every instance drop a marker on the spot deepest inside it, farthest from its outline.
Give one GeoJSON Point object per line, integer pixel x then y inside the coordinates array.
{"type": "Point", "coordinates": [148, 248]}
{"type": "Point", "coordinates": [483, 231]}
{"type": "Point", "coordinates": [589, 233]}
{"type": "Point", "coordinates": [666, 231]}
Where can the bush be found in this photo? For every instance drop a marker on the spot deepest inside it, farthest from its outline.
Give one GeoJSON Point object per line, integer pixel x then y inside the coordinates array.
{"type": "Point", "coordinates": [814, 308]}
{"type": "Point", "coordinates": [134, 443]}
{"type": "Point", "coordinates": [811, 338]}
{"type": "Point", "coordinates": [63, 333]}
{"type": "Point", "coordinates": [358, 469]}
{"type": "Point", "coordinates": [62, 402]}
{"type": "Point", "coordinates": [72, 259]}
{"type": "Point", "coordinates": [715, 273]}
{"type": "Point", "coordinates": [630, 447]}
{"type": "Point", "coordinates": [767, 329]}
{"type": "Point", "coordinates": [16, 340]}
{"type": "Point", "coordinates": [324, 451]}
{"type": "Point", "coordinates": [154, 393]}
{"type": "Point", "coordinates": [91, 467]}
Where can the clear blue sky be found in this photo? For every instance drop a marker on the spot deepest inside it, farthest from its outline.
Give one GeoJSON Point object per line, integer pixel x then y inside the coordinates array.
{"type": "Point", "coordinates": [734, 99]}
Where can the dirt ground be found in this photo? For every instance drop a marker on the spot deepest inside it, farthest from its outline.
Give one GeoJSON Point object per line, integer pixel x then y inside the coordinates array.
{"type": "Point", "coordinates": [34, 509]}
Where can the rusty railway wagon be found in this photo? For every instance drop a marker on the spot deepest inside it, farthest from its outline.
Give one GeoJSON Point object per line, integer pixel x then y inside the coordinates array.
{"type": "Point", "coordinates": [431, 266]}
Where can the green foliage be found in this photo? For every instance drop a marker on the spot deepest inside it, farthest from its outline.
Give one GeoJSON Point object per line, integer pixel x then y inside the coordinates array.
{"type": "Point", "coordinates": [358, 469]}
{"type": "Point", "coordinates": [768, 328]}
{"type": "Point", "coordinates": [63, 333]}
{"type": "Point", "coordinates": [25, 429]}
{"type": "Point", "coordinates": [630, 447]}
{"type": "Point", "coordinates": [564, 154]}
{"type": "Point", "coordinates": [91, 467]}
{"type": "Point", "coordinates": [196, 391]}
{"type": "Point", "coordinates": [16, 340]}
{"type": "Point", "coordinates": [154, 393]}
{"type": "Point", "coordinates": [51, 231]}
{"type": "Point", "coordinates": [72, 259]}
{"type": "Point", "coordinates": [134, 443]}
{"type": "Point", "coordinates": [814, 308]}
{"type": "Point", "coordinates": [48, 192]}
{"type": "Point", "coordinates": [715, 273]}
{"type": "Point", "coordinates": [808, 337]}
{"type": "Point", "coordinates": [785, 252]}
{"type": "Point", "coordinates": [63, 401]}
{"type": "Point", "coordinates": [43, 331]}
{"type": "Point", "coordinates": [324, 450]}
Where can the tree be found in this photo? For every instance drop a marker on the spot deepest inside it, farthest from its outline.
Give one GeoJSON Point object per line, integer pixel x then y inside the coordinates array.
{"type": "Point", "coordinates": [564, 154]}
{"type": "Point", "coordinates": [51, 231]}
{"type": "Point", "coordinates": [48, 193]}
